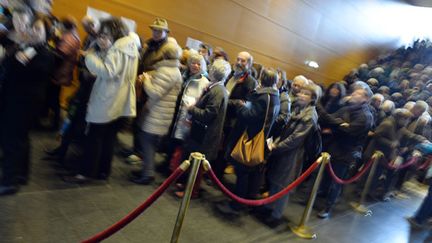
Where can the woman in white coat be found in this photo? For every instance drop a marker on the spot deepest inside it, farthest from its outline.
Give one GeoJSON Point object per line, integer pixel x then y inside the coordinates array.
{"type": "Point", "coordinates": [112, 98]}
{"type": "Point", "coordinates": [162, 87]}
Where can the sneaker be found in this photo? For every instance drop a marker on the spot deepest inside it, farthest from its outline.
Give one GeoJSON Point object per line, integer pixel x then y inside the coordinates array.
{"type": "Point", "coordinates": [133, 159]}
{"type": "Point", "coordinates": [324, 214]}
{"type": "Point", "coordinates": [76, 179]}
{"type": "Point", "coordinates": [226, 209]}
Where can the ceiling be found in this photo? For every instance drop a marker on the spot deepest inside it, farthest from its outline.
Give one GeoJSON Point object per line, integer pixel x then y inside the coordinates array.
{"type": "Point", "coordinates": [420, 3]}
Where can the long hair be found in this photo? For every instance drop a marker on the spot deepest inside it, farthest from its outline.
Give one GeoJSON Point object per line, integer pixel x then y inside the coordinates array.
{"type": "Point", "coordinates": [115, 26]}
{"type": "Point", "coordinates": [340, 87]}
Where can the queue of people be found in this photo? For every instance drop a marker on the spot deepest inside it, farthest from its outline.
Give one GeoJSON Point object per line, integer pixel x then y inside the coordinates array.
{"type": "Point", "coordinates": [181, 101]}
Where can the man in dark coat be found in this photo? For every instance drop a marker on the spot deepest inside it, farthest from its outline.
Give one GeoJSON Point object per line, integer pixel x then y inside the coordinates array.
{"type": "Point", "coordinates": [239, 86]}
{"type": "Point", "coordinates": [349, 137]}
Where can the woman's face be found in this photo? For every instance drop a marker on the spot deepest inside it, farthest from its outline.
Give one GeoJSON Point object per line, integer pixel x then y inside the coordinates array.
{"type": "Point", "coordinates": [304, 98]}
{"type": "Point", "coordinates": [105, 40]}
{"type": "Point", "coordinates": [39, 32]}
{"type": "Point", "coordinates": [21, 22]}
{"type": "Point", "coordinates": [334, 92]}
{"type": "Point", "coordinates": [195, 67]}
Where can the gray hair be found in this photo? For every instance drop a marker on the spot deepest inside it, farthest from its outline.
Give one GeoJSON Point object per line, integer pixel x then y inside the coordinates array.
{"type": "Point", "coordinates": [379, 97]}
{"type": "Point", "coordinates": [196, 57]}
{"type": "Point", "coordinates": [362, 85]}
{"type": "Point", "coordinates": [388, 106]}
{"type": "Point", "coordinates": [219, 70]}
{"type": "Point", "coordinates": [420, 104]}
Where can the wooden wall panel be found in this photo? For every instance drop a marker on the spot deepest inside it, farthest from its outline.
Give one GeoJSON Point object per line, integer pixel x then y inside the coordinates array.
{"type": "Point", "coordinates": [278, 33]}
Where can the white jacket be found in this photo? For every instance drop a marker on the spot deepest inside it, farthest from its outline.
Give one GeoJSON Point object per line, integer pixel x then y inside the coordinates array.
{"type": "Point", "coordinates": [113, 93]}
{"type": "Point", "coordinates": [162, 89]}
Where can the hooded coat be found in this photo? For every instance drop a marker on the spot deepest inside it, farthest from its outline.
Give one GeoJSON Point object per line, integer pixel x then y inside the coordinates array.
{"type": "Point", "coordinates": [113, 93]}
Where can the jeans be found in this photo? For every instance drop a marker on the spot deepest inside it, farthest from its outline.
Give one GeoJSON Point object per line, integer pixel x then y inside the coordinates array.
{"type": "Point", "coordinates": [278, 206]}
{"type": "Point", "coordinates": [147, 150]}
{"type": "Point", "coordinates": [248, 182]}
{"type": "Point", "coordinates": [425, 211]}
{"type": "Point", "coordinates": [334, 189]}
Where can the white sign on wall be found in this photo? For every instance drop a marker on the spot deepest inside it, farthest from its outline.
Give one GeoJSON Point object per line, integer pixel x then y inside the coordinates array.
{"type": "Point", "coordinates": [101, 15]}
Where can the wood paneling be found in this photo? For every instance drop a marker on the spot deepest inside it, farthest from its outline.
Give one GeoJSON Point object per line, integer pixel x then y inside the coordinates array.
{"type": "Point", "coordinates": [278, 33]}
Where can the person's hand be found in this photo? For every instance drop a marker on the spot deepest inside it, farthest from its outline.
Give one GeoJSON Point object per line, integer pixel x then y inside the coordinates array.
{"type": "Point", "coordinates": [327, 131]}
{"type": "Point", "coordinates": [345, 124]}
{"type": "Point", "coordinates": [371, 134]}
{"type": "Point", "coordinates": [21, 57]}
{"type": "Point", "coordinates": [271, 146]}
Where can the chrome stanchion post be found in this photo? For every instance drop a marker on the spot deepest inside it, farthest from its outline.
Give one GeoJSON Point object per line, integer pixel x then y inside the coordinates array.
{"type": "Point", "coordinates": [360, 207]}
{"type": "Point", "coordinates": [196, 159]}
{"type": "Point", "coordinates": [301, 229]}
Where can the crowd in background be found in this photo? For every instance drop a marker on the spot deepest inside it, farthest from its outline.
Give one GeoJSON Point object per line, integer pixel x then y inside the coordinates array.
{"type": "Point", "coordinates": [177, 101]}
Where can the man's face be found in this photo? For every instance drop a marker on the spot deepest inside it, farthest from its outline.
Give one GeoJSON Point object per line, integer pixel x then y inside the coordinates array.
{"type": "Point", "coordinates": [358, 97]}
{"type": "Point", "coordinates": [297, 86]}
{"type": "Point", "coordinates": [158, 34]}
{"type": "Point", "coordinates": [242, 63]}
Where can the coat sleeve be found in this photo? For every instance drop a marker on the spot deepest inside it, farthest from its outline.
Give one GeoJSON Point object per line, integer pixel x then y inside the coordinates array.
{"type": "Point", "coordinates": [157, 86]}
{"type": "Point", "coordinates": [285, 109]}
{"type": "Point", "coordinates": [356, 128]}
{"type": "Point", "coordinates": [380, 134]}
{"type": "Point", "coordinates": [250, 84]}
{"type": "Point", "coordinates": [296, 138]}
{"type": "Point", "coordinates": [411, 137]}
{"type": "Point", "coordinates": [106, 68]}
{"type": "Point", "coordinates": [326, 118]}
{"type": "Point", "coordinates": [210, 110]}
{"type": "Point", "coordinates": [254, 111]}
{"type": "Point", "coordinates": [69, 46]}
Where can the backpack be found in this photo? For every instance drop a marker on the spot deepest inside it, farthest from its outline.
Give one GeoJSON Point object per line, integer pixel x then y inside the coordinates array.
{"type": "Point", "coordinates": [313, 145]}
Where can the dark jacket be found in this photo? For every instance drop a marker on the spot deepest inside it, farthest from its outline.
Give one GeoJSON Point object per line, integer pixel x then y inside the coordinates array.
{"type": "Point", "coordinates": [284, 113]}
{"type": "Point", "coordinates": [24, 88]}
{"type": "Point", "coordinates": [348, 142]}
{"type": "Point", "coordinates": [251, 116]}
{"type": "Point", "coordinates": [387, 137]}
{"type": "Point", "coordinates": [210, 110]}
{"type": "Point", "coordinates": [240, 92]}
{"type": "Point", "coordinates": [285, 162]}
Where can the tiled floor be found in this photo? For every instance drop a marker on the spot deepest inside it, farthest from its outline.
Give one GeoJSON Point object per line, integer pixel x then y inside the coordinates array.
{"type": "Point", "coordinates": [49, 210]}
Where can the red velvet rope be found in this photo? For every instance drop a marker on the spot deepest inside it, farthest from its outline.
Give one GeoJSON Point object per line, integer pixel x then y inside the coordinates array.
{"type": "Point", "coordinates": [410, 162]}
{"type": "Point", "coordinates": [354, 178]}
{"type": "Point", "coordinates": [137, 211]}
{"type": "Point", "coordinates": [425, 164]}
{"type": "Point", "coordinates": [268, 200]}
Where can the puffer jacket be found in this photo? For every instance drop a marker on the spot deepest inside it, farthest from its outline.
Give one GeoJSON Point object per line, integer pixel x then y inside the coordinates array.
{"type": "Point", "coordinates": [162, 89]}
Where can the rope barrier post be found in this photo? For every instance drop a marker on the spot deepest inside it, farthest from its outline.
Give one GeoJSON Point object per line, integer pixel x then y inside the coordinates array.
{"type": "Point", "coordinates": [301, 230]}
{"type": "Point", "coordinates": [360, 207]}
{"type": "Point", "coordinates": [196, 159]}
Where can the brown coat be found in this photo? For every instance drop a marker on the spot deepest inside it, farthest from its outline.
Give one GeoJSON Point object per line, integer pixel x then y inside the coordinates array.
{"type": "Point", "coordinates": [68, 50]}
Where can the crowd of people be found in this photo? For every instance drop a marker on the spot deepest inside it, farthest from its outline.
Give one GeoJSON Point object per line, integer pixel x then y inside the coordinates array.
{"type": "Point", "coordinates": [179, 100]}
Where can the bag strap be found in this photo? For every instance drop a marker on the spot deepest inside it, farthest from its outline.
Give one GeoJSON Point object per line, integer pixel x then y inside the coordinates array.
{"type": "Point", "coordinates": [267, 112]}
